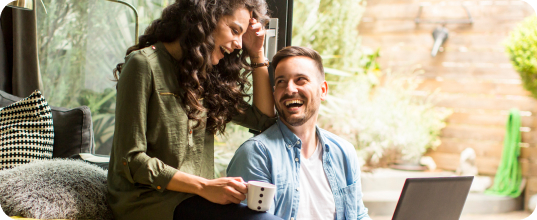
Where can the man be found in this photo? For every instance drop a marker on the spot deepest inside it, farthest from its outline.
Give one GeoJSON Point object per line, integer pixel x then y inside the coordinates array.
{"type": "Point", "coordinates": [315, 172]}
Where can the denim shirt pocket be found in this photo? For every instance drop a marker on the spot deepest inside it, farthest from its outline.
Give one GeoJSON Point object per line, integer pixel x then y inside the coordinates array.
{"type": "Point", "coordinates": [349, 194]}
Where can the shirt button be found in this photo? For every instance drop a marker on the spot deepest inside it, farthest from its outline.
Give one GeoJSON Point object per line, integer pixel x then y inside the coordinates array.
{"type": "Point", "coordinates": [297, 142]}
{"type": "Point", "coordinates": [125, 163]}
{"type": "Point", "coordinates": [190, 132]}
{"type": "Point", "coordinates": [296, 159]}
{"type": "Point", "coordinates": [289, 146]}
{"type": "Point", "coordinates": [158, 187]}
{"type": "Point", "coordinates": [297, 188]}
{"type": "Point", "coordinates": [292, 218]}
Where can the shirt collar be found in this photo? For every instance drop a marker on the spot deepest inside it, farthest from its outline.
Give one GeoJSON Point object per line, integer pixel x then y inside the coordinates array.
{"type": "Point", "coordinates": [322, 138]}
{"type": "Point", "coordinates": [292, 140]}
{"type": "Point", "coordinates": [159, 47]}
{"type": "Point", "coordinates": [288, 136]}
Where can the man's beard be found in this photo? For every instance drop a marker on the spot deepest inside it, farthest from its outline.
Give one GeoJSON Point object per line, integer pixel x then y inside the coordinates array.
{"type": "Point", "coordinates": [309, 113]}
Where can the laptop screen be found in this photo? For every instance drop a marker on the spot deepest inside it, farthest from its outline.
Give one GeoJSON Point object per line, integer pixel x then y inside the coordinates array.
{"type": "Point", "coordinates": [439, 198]}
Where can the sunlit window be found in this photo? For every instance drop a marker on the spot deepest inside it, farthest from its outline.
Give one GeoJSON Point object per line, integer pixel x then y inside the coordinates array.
{"type": "Point", "coordinates": [80, 42]}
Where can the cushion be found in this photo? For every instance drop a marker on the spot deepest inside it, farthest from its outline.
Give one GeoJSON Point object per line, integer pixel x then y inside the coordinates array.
{"type": "Point", "coordinates": [26, 132]}
{"type": "Point", "coordinates": [55, 189]}
{"type": "Point", "coordinates": [73, 131]}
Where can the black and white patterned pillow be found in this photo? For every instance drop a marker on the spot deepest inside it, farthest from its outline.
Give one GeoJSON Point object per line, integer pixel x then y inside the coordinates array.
{"type": "Point", "coordinates": [26, 131]}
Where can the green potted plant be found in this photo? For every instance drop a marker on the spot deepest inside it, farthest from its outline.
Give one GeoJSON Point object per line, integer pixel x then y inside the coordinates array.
{"type": "Point", "coordinates": [521, 46]}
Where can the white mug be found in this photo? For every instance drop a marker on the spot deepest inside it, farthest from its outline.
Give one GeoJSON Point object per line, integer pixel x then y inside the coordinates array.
{"type": "Point", "coordinates": [260, 195]}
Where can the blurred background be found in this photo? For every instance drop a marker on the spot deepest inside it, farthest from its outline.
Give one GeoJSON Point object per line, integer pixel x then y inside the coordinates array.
{"type": "Point", "coordinates": [413, 84]}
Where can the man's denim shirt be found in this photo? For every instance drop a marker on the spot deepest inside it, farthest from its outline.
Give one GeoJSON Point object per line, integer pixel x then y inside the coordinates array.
{"type": "Point", "coordinates": [274, 157]}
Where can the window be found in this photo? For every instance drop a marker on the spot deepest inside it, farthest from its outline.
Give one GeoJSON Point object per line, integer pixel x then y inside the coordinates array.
{"type": "Point", "coordinates": [80, 42]}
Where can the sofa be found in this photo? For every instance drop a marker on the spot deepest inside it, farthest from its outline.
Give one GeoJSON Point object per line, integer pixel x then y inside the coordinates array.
{"type": "Point", "coordinates": [68, 186]}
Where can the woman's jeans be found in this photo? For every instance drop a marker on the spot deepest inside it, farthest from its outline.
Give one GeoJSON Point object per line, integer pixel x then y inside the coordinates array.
{"type": "Point", "coordinates": [199, 208]}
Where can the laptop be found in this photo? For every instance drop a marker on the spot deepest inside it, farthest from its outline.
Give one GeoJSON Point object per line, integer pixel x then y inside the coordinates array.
{"type": "Point", "coordinates": [437, 198]}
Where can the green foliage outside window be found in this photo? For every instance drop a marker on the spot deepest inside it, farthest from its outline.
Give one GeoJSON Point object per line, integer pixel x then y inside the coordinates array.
{"type": "Point", "coordinates": [79, 43]}
{"type": "Point", "coordinates": [331, 28]}
{"type": "Point", "coordinates": [522, 49]}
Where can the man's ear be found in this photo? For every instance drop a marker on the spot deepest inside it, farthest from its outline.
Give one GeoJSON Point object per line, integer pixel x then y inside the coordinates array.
{"type": "Point", "coordinates": [324, 90]}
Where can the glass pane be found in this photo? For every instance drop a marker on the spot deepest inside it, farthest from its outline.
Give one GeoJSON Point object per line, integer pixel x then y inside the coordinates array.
{"type": "Point", "coordinates": [80, 43]}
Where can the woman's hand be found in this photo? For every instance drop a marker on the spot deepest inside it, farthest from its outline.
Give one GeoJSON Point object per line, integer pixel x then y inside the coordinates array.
{"type": "Point", "coordinates": [224, 190]}
{"type": "Point", "coordinates": [253, 40]}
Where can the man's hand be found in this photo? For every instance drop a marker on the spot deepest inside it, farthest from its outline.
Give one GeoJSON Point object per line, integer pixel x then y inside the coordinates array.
{"type": "Point", "coordinates": [224, 190]}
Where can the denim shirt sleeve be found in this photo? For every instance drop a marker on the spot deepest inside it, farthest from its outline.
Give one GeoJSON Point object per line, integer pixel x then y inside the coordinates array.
{"type": "Point", "coordinates": [361, 210]}
{"type": "Point", "coordinates": [251, 162]}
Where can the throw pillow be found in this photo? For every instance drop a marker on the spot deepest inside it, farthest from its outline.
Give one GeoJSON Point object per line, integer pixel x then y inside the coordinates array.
{"type": "Point", "coordinates": [26, 131]}
{"type": "Point", "coordinates": [73, 129]}
{"type": "Point", "coordinates": [55, 189]}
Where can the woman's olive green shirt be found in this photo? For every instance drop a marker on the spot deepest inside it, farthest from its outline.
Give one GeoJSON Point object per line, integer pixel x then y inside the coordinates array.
{"type": "Point", "coordinates": [154, 138]}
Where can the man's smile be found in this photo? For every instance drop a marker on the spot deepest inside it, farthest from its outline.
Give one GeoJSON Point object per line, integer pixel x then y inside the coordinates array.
{"type": "Point", "coordinates": [293, 105]}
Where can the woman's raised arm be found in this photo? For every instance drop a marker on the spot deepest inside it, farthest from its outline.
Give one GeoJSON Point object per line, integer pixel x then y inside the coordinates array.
{"type": "Point", "coordinates": [253, 40]}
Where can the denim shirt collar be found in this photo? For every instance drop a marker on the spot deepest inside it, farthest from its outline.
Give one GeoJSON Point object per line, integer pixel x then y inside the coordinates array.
{"type": "Point", "coordinates": [292, 140]}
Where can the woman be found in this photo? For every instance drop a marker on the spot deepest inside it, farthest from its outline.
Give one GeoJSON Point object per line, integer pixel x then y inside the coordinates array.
{"type": "Point", "coordinates": [177, 88]}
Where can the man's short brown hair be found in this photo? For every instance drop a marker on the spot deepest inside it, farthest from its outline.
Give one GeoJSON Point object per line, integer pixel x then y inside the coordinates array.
{"type": "Point", "coordinates": [294, 51]}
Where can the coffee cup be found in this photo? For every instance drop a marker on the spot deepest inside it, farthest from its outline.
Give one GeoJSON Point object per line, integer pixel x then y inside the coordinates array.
{"type": "Point", "coordinates": [260, 195]}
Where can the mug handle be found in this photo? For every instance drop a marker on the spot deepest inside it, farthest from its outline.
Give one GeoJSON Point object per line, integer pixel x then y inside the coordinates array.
{"type": "Point", "coordinates": [246, 184]}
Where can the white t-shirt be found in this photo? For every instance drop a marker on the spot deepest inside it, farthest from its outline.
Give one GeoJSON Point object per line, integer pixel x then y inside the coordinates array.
{"type": "Point", "coordinates": [316, 198]}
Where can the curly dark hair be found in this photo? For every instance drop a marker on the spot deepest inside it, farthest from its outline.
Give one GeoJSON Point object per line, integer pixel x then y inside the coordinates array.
{"type": "Point", "coordinates": [223, 86]}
